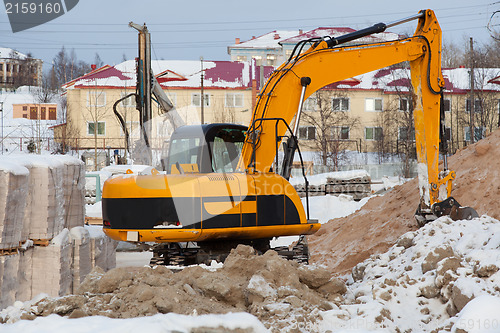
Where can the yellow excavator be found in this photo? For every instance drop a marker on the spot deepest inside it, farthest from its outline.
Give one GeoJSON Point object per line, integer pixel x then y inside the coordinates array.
{"type": "Point", "coordinates": [224, 184]}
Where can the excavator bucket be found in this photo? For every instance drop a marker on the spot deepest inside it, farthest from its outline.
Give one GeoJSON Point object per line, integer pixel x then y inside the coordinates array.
{"type": "Point", "coordinates": [449, 207]}
{"type": "Point", "coordinates": [463, 213]}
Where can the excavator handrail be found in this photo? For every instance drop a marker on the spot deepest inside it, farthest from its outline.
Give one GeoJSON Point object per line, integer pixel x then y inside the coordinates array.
{"type": "Point", "coordinates": [298, 150]}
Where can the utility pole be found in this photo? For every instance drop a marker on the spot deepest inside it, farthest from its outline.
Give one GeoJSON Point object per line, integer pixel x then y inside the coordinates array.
{"type": "Point", "coordinates": [472, 104]}
{"type": "Point", "coordinates": [202, 99]}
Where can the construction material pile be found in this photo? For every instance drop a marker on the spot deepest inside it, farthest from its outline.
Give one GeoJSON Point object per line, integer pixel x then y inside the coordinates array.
{"type": "Point", "coordinates": [43, 245]}
{"type": "Point", "coordinates": [344, 242]}
{"type": "Point", "coordinates": [355, 183]}
{"type": "Point", "coordinates": [281, 293]}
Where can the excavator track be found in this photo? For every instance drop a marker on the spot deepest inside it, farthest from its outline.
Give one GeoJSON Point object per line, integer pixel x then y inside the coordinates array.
{"type": "Point", "coordinates": [176, 254]}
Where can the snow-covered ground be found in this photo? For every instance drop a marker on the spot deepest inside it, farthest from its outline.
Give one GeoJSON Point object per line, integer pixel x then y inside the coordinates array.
{"type": "Point", "coordinates": [169, 322]}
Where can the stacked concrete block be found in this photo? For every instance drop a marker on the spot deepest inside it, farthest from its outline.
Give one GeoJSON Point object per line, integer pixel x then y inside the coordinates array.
{"type": "Point", "coordinates": [47, 204]}
{"type": "Point", "coordinates": [13, 193]}
{"type": "Point", "coordinates": [102, 249]}
{"type": "Point", "coordinates": [52, 267]}
{"type": "Point", "coordinates": [74, 191]}
{"type": "Point", "coordinates": [25, 275]}
{"type": "Point", "coordinates": [80, 239]}
{"type": "Point", "coordinates": [44, 213]}
{"type": "Point", "coordinates": [9, 266]}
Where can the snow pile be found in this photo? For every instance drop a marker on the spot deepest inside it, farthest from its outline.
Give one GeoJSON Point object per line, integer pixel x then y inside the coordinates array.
{"type": "Point", "coordinates": [325, 208]}
{"type": "Point", "coordinates": [342, 243]}
{"type": "Point", "coordinates": [426, 279]}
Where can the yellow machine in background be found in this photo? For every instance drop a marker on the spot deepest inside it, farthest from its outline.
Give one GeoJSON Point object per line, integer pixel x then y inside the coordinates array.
{"type": "Point", "coordinates": [221, 186]}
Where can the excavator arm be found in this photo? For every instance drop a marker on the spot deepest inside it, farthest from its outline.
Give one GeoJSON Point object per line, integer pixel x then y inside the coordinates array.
{"type": "Point", "coordinates": [325, 63]}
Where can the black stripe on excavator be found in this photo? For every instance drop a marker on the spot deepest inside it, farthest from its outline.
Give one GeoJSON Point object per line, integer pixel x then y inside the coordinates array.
{"type": "Point", "coordinates": [146, 213]}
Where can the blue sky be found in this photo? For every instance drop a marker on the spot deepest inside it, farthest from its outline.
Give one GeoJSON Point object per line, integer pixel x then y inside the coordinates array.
{"type": "Point", "coordinates": [190, 29]}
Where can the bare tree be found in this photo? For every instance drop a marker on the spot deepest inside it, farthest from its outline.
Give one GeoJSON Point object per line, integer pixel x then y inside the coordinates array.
{"type": "Point", "coordinates": [94, 111]}
{"type": "Point", "coordinates": [67, 67]}
{"type": "Point", "coordinates": [329, 115]}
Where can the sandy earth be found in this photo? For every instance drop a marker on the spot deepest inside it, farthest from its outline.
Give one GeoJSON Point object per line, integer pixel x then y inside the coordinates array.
{"type": "Point", "coordinates": [342, 243]}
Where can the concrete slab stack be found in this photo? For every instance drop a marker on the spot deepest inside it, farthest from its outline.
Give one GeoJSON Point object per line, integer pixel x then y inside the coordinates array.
{"type": "Point", "coordinates": [44, 245]}
{"type": "Point", "coordinates": [80, 239]}
{"type": "Point", "coordinates": [52, 267]}
{"type": "Point", "coordinates": [13, 193]}
{"type": "Point", "coordinates": [9, 266]}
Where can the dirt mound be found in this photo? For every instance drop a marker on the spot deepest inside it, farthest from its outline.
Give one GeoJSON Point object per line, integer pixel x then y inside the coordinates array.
{"type": "Point", "coordinates": [267, 286]}
{"type": "Point", "coordinates": [342, 243]}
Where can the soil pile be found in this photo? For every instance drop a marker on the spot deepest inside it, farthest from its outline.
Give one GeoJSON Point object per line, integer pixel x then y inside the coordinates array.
{"type": "Point", "coordinates": [342, 243]}
{"type": "Point", "coordinates": [267, 286]}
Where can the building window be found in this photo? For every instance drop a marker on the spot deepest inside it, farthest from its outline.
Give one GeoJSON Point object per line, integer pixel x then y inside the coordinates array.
{"type": "Point", "coordinates": [310, 104]}
{"type": "Point", "coordinates": [25, 108]}
{"type": "Point", "coordinates": [129, 101]}
{"type": "Point", "coordinates": [373, 133]}
{"type": "Point", "coordinates": [43, 113]}
{"type": "Point", "coordinates": [477, 105]}
{"type": "Point", "coordinates": [307, 133]}
{"type": "Point", "coordinates": [1, 67]}
{"type": "Point", "coordinates": [447, 133]}
{"type": "Point", "coordinates": [403, 104]}
{"type": "Point", "coordinates": [33, 112]}
{"type": "Point", "coordinates": [479, 133]}
{"type": "Point", "coordinates": [241, 58]}
{"type": "Point", "coordinates": [258, 60]}
{"type": "Point", "coordinates": [234, 100]}
{"type": "Point", "coordinates": [196, 99]}
{"type": "Point", "coordinates": [340, 104]}
{"type": "Point", "coordinates": [96, 98]}
{"type": "Point", "coordinates": [340, 133]}
{"type": "Point", "coordinates": [52, 114]}
{"type": "Point", "coordinates": [373, 104]}
{"type": "Point", "coordinates": [7, 67]}
{"type": "Point", "coordinates": [447, 104]}
{"type": "Point", "coordinates": [271, 60]}
{"type": "Point", "coordinates": [101, 128]}
{"type": "Point", "coordinates": [403, 134]}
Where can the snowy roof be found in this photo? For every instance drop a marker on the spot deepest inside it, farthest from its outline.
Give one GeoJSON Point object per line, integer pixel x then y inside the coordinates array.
{"type": "Point", "coordinates": [175, 73]}
{"type": "Point", "coordinates": [6, 52]}
{"type": "Point", "coordinates": [391, 80]}
{"type": "Point", "coordinates": [267, 41]}
{"type": "Point", "coordinates": [239, 75]}
{"type": "Point", "coordinates": [273, 39]}
{"type": "Point", "coordinates": [339, 31]}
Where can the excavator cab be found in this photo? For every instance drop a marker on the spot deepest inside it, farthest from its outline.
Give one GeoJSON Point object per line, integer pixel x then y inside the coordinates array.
{"type": "Point", "coordinates": [204, 149]}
